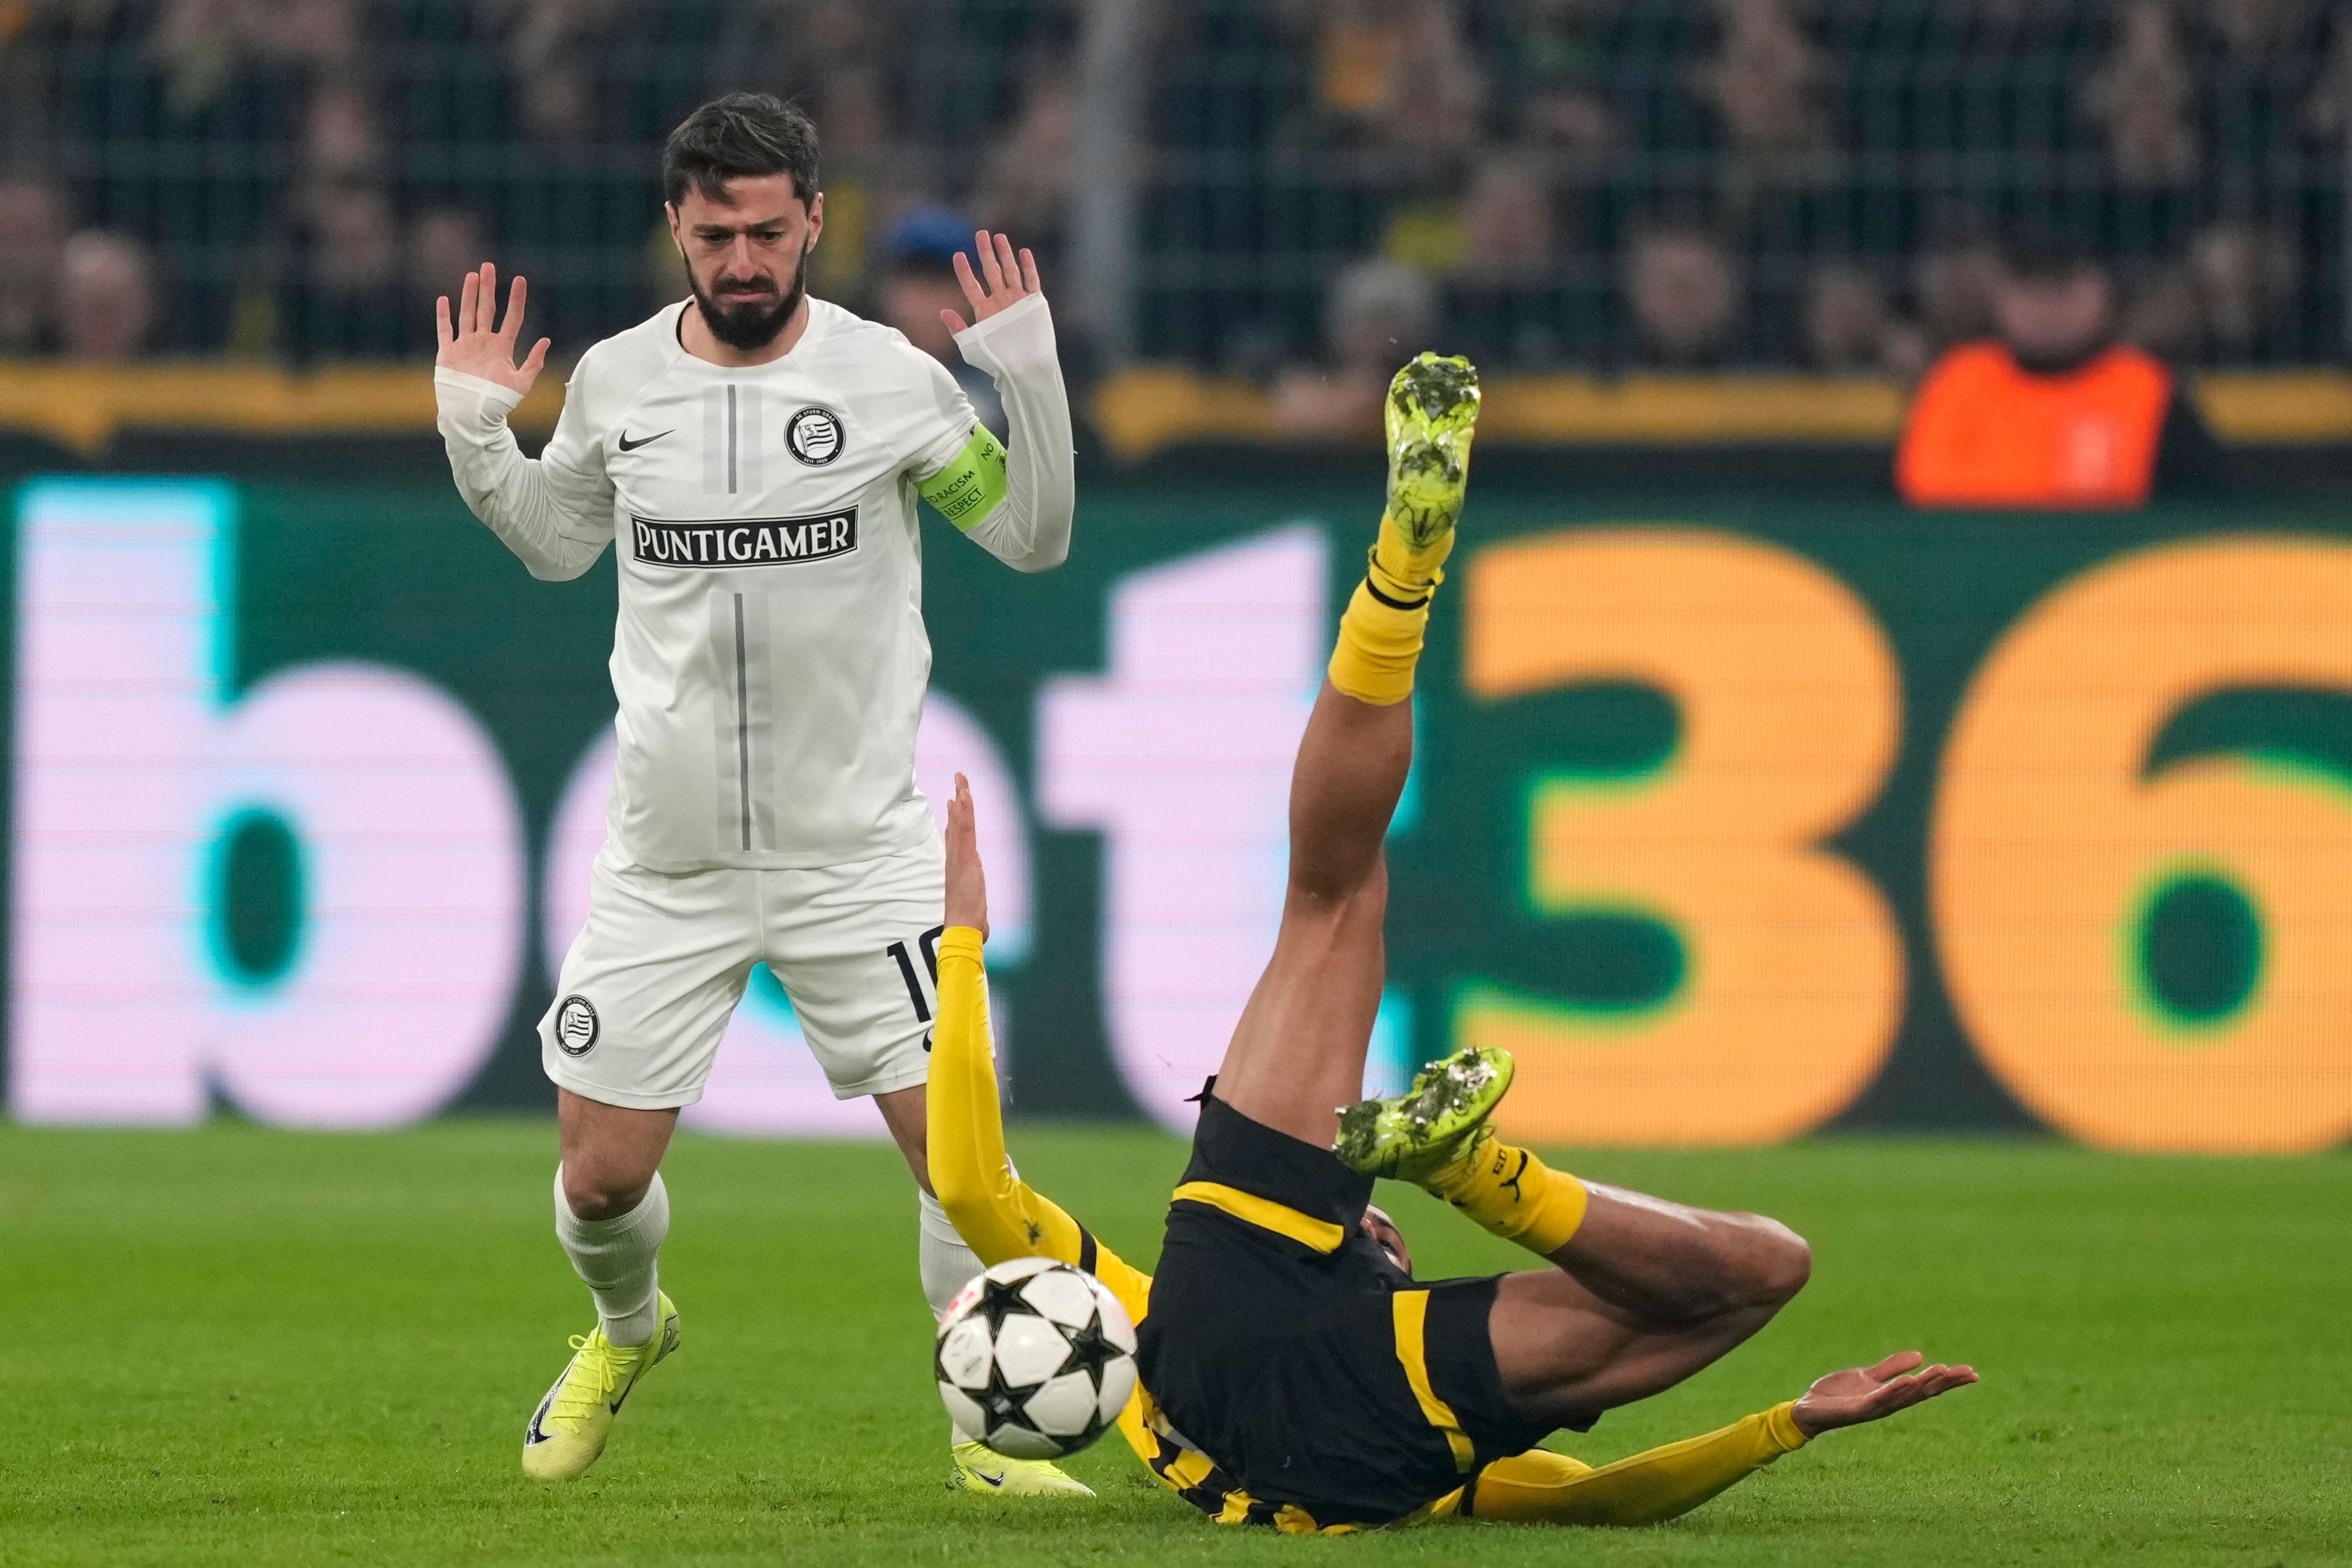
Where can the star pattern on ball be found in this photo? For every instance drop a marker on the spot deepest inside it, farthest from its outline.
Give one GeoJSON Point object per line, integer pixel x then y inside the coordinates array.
{"type": "Point", "coordinates": [1090, 1351]}
{"type": "Point", "coordinates": [1003, 1401]}
{"type": "Point", "coordinates": [998, 1302]}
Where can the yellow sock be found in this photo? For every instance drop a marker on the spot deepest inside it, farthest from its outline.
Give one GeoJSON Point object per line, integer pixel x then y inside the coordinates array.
{"type": "Point", "coordinates": [1401, 571]}
{"type": "Point", "coordinates": [1513, 1195]}
{"type": "Point", "coordinates": [1380, 631]}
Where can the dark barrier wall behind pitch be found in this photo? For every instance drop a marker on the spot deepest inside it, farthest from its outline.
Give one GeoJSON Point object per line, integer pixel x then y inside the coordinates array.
{"type": "Point", "coordinates": [1734, 818]}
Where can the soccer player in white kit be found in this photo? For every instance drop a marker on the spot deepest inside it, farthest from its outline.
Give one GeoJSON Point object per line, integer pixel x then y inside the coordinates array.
{"type": "Point", "coordinates": [754, 456]}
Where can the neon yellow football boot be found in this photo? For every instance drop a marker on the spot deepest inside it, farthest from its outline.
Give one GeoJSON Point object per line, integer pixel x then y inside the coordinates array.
{"type": "Point", "coordinates": [1433, 1123]}
{"type": "Point", "coordinates": [571, 1425]}
{"type": "Point", "coordinates": [977, 1467]}
{"type": "Point", "coordinates": [1431, 415]}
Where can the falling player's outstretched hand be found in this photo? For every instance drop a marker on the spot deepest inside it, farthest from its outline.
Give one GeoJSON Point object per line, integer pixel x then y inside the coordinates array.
{"type": "Point", "coordinates": [1002, 282]}
{"type": "Point", "coordinates": [473, 346]}
{"type": "Point", "coordinates": [1863, 1393]}
{"type": "Point", "coordinates": [967, 885]}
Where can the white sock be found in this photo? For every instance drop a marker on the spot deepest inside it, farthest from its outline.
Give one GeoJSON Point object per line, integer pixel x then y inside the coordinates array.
{"type": "Point", "coordinates": [616, 1257]}
{"type": "Point", "coordinates": [947, 1264]}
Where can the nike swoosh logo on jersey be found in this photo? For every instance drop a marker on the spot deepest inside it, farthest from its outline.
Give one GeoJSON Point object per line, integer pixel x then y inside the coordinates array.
{"type": "Point", "coordinates": [629, 446]}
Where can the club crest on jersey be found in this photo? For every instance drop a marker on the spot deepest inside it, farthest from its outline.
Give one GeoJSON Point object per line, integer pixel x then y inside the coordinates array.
{"type": "Point", "coordinates": [576, 1025]}
{"type": "Point", "coordinates": [744, 542]}
{"type": "Point", "coordinates": [815, 435]}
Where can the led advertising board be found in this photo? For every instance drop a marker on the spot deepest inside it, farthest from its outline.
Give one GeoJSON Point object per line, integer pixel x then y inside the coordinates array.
{"type": "Point", "coordinates": [1734, 820]}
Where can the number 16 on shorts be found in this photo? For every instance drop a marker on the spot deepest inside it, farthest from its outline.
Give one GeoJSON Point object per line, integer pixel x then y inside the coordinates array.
{"type": "Point", "coordinates": [918, 966]}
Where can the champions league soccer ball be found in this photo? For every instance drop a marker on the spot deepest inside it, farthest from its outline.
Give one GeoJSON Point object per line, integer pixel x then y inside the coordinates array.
{"type": "Point", "coordinates": [1035, 1359]}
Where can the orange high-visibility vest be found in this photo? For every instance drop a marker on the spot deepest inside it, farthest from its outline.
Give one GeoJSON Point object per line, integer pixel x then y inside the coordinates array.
{"type": "Point", "coordinates": [1984, 431]}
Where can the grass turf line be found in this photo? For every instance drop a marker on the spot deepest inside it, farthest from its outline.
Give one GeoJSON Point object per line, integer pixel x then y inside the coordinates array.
{"type": "Point", "coordinates": [235, 1345]}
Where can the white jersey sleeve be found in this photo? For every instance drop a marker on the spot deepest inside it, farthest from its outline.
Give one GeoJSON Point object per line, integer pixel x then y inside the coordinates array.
{"type": "Point", "coordinates": [554, 511]}
{"type": "Point", "coordinates": [1016, 503]}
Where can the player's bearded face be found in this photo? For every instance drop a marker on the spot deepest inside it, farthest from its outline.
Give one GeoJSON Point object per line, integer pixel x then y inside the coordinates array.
{"type": "Point", "coordinates": [746, 250]}
{"type": "Point", "coordinates": [746, 309]}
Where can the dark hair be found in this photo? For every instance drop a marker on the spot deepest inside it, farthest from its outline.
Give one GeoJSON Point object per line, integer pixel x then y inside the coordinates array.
{"type": "Point", "coordinates": [744, 135]}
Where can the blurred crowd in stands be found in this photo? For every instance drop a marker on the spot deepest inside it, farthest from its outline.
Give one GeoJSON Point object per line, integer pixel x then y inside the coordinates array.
{"type": "Point", "coordinates": [298, 179]}
{"type": "Point", "coordinates": [1595, 185]}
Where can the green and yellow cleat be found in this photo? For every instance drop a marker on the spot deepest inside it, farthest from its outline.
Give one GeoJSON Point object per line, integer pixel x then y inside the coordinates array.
{"type": "Point", "coordinates": [1435, 1123]}
{"type": "Point", "coordinates": [977, 1467]}
{"type": "Point", "coordinates": [1431, 414]}
{"type": "Point", "coordinates": [570, 1427]}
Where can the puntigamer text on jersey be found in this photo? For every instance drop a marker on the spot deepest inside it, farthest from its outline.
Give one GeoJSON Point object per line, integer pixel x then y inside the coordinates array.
{"type": "Point", "coordinates": [753, 541]}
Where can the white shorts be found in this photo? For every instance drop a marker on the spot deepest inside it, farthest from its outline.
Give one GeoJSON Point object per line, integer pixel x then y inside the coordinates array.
{"type": "Point", "coordinates": [648, 987]}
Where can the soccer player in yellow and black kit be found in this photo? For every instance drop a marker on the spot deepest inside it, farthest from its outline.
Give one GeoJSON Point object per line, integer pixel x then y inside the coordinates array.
{"type": "Point", "coordinates": [1293, 1371]}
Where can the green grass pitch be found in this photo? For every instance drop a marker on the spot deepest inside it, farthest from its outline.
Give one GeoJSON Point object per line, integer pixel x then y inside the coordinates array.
{"type": "Point", "coordinates": [237, 1346]}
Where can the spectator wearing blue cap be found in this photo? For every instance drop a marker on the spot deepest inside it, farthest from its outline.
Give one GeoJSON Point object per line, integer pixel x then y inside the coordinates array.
{"type": "Point", "coordinates": [918, 254]}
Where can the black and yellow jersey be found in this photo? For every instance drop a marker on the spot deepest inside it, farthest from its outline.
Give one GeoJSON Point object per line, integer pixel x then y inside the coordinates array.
{"type": "Point", "coordinates": [1001, 1218]}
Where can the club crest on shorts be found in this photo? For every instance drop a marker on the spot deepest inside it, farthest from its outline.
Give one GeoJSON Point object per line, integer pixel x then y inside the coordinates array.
{"type": "Point", "coordinates": [576, 1025]}
{"type": "Point", "coordinates": [815, 435]}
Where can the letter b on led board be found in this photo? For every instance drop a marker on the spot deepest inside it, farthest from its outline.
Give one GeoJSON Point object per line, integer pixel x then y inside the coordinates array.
{"type": "Point", "coordinates": [145, 786]}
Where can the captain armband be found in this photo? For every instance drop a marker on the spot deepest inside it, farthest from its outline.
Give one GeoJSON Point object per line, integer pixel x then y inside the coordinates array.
{"type": "Point", "coordinates": [972, 483]}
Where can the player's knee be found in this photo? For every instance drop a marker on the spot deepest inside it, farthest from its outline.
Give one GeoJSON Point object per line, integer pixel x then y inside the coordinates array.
{"type": "Point", "coordinates": [601, 1195]}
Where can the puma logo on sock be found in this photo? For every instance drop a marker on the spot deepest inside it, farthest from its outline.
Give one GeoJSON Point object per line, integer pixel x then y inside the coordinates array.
{"type": "Point", "coordinates": [1512, 1182]}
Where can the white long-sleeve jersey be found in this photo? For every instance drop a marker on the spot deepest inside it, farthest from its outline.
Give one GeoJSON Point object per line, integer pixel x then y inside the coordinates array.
{"type": "Point", "coordinates": [769, 656]}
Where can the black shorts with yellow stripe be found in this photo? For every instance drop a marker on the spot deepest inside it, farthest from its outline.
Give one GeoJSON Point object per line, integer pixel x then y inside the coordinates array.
{"type": "Point", "coordinates": [1328, 1385]}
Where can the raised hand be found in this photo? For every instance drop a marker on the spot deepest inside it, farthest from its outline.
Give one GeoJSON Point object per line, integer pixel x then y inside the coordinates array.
{"type": "Point", "coordinates": [473, 346]}
{"type": "Point", "coordinates": [1863, 1393]}
{"type": "Point", "coordinates": [967, 902]}
{"type": "Point", "coordinates": [1002, 283]}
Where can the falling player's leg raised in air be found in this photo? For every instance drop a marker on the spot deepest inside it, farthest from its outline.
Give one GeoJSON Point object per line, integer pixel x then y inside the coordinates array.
{"type": "Point", "coordinates": [1270, 1320]}
{"type": "Point", "coordinates": [1294, 1372]}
